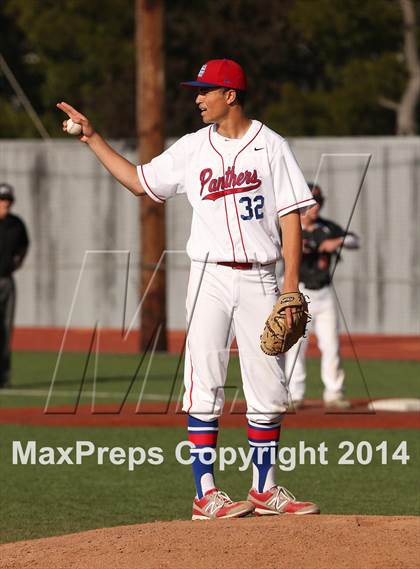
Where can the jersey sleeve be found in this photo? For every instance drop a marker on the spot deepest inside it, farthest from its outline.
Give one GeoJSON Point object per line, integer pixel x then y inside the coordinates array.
{"type": "Point", "coordinates": [23, 241]}
{"type": "Point", "coordinates": [290, 187]}
{"type": "Point", "coordinates": [164, 176]}
{"type": "Point", "coordinates": [21, 244]}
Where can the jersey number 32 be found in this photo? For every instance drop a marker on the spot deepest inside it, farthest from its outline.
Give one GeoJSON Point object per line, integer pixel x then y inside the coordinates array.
{"type": "Point", "coordinates": [253, 207]}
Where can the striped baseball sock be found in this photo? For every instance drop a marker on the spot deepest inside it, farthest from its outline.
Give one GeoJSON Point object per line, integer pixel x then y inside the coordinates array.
{"type": "Point", "coordinates": [203, 434]}
{"type": "Point", "coordinates": [264, 439]}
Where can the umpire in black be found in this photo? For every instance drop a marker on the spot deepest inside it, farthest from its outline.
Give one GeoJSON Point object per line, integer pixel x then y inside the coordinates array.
{"type": "Point", "coordinates": [14, 244]}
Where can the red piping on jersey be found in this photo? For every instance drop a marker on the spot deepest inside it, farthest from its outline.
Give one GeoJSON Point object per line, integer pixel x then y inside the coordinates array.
{"type": "Point", "coordinates": [248, 143]}
{"type": "Point", "coordinates": [224, 197]}
{"type": "Point", "coordinates": [239, 225]}
{"type": "Point", "coordinates": [227, 222]}
{"type": "Point", "coordinates": [234, 197]}
{"type": "Point", "coordinates": [149, 188]}
{"type": "Point", "coordinates": [297, 203]}
{"type": "Point", "coordinates": [192, 384]}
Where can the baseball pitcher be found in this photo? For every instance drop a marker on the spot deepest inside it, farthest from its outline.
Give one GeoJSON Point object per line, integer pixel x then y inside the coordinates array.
{"type": "Point", "coordinates": [243, 184]}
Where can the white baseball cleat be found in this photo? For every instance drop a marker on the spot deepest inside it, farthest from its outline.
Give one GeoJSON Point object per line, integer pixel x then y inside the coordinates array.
{"type": "Point", "coordinates": [278, 500]}
{"type": "Point", "coordinates": [339, 402]}
{"type": "Point", "coordinates": [217, 504]}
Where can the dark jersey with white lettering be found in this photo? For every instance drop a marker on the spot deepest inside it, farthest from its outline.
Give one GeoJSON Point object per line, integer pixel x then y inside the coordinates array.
{"type": "Point", "coordinates": [315, 269]}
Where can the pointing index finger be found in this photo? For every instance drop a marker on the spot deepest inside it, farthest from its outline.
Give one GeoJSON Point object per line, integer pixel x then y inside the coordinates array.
{"type": "Point", "coordinates": [71, 111]}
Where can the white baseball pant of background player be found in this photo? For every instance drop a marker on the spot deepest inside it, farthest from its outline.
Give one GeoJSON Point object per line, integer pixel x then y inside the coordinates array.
{"type": "Point", "coordinates": [324, 325]}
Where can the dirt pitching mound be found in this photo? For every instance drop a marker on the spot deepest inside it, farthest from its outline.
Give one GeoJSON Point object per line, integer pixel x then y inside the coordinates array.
{"type": "Point", "coordinates": [319, 542]}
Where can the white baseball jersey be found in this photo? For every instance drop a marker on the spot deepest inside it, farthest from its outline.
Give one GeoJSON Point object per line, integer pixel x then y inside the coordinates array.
{"type": "Point", "coordinates": [237, 189]}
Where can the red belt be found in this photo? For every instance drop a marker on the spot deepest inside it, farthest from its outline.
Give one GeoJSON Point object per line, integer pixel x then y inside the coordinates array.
{"type": "Point", "coordinates": [239, 266]}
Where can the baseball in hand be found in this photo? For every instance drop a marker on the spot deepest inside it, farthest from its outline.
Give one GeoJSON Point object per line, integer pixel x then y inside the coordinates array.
{"type": "Point", "coordinates": [73, 127]}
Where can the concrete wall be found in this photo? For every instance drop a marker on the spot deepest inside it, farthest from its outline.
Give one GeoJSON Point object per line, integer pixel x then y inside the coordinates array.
{"type": "Point", "coordinates": [72, 208]}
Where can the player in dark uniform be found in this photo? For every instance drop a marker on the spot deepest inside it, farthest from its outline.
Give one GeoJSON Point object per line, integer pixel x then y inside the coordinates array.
{"type": "Point", "coordinates": [14, 244]}
{"type": "Point", "coordinates": [322, 241]}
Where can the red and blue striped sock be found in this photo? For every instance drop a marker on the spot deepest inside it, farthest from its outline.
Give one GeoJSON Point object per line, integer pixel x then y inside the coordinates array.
{"type": "Point", "coordinates": [264, 440]}
{"type": "Point", "coordinates": [203, 434]}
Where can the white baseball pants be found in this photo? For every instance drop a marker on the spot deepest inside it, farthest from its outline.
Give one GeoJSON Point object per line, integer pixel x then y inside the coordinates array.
{"type": "Point", "coordinates": [223, 303]}
{"type": "Point", "coordinates": [324, 325]}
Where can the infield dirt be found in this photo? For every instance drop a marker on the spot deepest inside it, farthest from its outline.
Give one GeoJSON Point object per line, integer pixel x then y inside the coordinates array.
{"type": "Point", "coordinates": [315, 542]}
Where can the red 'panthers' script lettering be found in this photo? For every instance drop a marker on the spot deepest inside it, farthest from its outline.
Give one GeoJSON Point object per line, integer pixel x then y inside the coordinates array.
{"type": "Point", "coordinates": [230, 183]}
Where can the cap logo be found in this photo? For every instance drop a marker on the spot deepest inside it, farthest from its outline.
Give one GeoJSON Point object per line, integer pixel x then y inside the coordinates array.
{"type": "Point", "coordinates": [202, 70]}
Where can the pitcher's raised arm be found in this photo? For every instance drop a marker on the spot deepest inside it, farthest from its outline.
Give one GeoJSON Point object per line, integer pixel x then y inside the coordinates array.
{"type": "Point", "coordinates": [121, 168]}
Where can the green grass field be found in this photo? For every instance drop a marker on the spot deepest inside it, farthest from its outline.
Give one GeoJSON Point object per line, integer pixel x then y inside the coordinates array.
{"type": "Point", "coordinates": [43, 500]}
{"type": "Point", "coordinates": [121, 375]}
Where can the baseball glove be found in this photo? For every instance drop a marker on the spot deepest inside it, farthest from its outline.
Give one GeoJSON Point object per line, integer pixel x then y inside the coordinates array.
{"type": "Point", "coordinates": [277, 338]}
